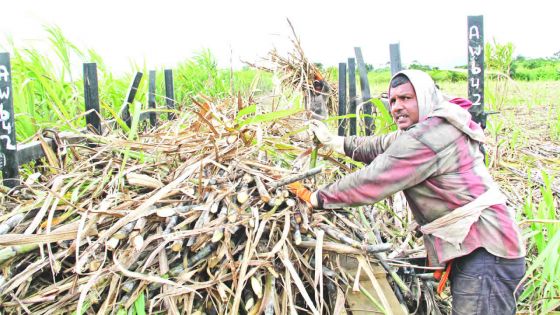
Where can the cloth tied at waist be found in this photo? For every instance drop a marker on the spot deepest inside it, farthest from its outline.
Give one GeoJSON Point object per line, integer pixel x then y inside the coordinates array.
{"type": "Point", "coordinates": [454, 226]}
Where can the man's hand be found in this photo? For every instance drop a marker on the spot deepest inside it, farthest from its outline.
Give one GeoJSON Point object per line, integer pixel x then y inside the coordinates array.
{"type": "Point", "coordinates": [303, 193]}
{"type": "Point", "coordinates": [324, 136]}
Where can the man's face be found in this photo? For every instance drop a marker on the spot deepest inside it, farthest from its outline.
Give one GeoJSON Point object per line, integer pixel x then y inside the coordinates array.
{"type": "Point", "coordinates": [404, 105]}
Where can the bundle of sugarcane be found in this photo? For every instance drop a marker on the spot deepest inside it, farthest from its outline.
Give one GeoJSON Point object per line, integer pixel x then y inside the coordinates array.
{"type": "Point", "coordinates": [297, 73]}
{"type": "Point", "coordinates": [185, 218]}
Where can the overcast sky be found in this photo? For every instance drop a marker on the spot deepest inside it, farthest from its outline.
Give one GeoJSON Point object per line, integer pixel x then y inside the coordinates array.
{"type": "Point", "coordinates": [161, 33]}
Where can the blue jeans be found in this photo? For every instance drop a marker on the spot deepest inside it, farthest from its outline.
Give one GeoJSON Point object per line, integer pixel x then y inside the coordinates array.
{"type": "Point", "coordinates": [482, 283]}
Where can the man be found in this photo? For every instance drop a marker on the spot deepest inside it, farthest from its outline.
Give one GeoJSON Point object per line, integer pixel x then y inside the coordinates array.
{"type": "Point", "coordinates": [434, 158]}
{"type": "Point", "coordinates": [318, 99]}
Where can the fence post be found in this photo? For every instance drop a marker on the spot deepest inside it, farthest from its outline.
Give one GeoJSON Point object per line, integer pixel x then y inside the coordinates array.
{"type": "Point", "coordinates": [342, 122]}
{"type": "Point", "coordinates": [169, 93]}
{"type": "Point", "coordinates": [91, 97]}
{"type": "Point", "coordinates": [366, 95]}
{"type": "Point", "coordinates": [395, 55]}
{"type": "Point", "coordinates": [352, 93]}
{"type": "Point", "coordinates": [152, 97]}
{"type": "Point", "coordinates": [8, 145]}
{"type": "Point", "coordinates": [125, 110]}
{"type": "Point", "coordinates": [476, 68]}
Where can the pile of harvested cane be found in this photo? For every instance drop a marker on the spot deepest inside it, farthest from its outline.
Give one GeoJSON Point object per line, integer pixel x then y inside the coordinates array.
{"type": "Point", "coordinates": [188, 217]}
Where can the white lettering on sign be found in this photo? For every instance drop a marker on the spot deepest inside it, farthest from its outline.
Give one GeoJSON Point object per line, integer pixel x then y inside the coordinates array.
{"type": "Point", "coordinates": [5, 122]}
{"type": "Point", "coordinates": [5, 119]}
{"type": "Point", "coordinates": [477, 102]}
{"type": "Point", "coordinates": [475, 51]}
{"type": "Point", "coordinates": [2, 160]}
{"type": "Point", "coordinates": [475, 83]}
{"type": "Point", "coordinates": [474, 68]}
{"type": "Point", "coordinates": [475, 62]}
{"type": "Point", "coordinates": [9, 145]}
{"type": "Point", "coordinates": [4, 73]}
{"type": "Point", "coordinates": [5, 94]}
{"type": "Point", "coordinates": [474, 32]}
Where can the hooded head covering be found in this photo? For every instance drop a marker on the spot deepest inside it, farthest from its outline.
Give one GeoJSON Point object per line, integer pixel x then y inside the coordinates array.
{"type": "Point", "coordinates": [432, 103]}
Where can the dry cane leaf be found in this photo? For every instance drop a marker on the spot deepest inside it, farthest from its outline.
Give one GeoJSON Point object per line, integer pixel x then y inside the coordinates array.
{"type": "Point", "coordinates": [142, 180]}
{"type": "Point", "coordinates": [297, 280]}
{"type": "Point", "coordinates": [366, 267]}
{"type": "Point", "coordinates": [256, 284]}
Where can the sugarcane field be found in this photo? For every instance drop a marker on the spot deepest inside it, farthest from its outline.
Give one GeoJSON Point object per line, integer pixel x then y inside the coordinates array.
{"type": "Point", "coordinates": [282, 186]}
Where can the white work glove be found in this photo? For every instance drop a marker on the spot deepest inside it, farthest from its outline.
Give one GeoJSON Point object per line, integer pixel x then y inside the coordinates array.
{"type": "Point", "coordinates": [324, 136]}
{"type": "Point", "coordinates": [313, 200]}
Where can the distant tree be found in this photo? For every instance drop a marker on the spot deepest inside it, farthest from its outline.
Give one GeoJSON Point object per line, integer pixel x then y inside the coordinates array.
{"type": "Point", "coordinates": [418, 66]}
{"type": "Point", "coordinates": [557, 55]}
{"type": "Point", "coordinates": [382, 68]}
{"type": "Point", "coordinates": [533, 63]}
{"type": "Point", "coordinates": [455, 76]}
{"type": "Point", "coordinates": [369, 67]}
{"type": "Point", "coordinates": [318, 65]}
{"type": "Point", "coordinates": [513, 69]}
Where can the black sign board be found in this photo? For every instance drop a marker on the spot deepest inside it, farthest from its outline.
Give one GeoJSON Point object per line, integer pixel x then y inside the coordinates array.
{"type": "Point", "coordinates": [366, 95]}
{"type": "Point", "coordinates": [395, 55]}
{"type": "Point", "coordinates": [152, 97]}
{"type": "Point", "coordinates": [169, 93]}
{"type": "Point", "coordinates": [91, 97]}
{"type": "Point", "coordinates": [476, 68]}
{"type": "Point", "coordinates": [352, 94]}
{"type": "Point", "coordinates": [8, 145]}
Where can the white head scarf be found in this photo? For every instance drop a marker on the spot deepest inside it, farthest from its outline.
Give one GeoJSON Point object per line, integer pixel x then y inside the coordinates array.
{"type": "Point", "coordinates": [432, 103]}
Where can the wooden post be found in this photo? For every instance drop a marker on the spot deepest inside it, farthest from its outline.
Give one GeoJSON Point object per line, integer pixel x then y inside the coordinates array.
{"type": "Point", "coordinates": [8, 145]}
{"type": "Point", "coordinates": [352, 93]}
{"type": "Point", "coordinates": [91, 97]}
{"type": "Point", "coordinates": [476, 68]}
{"type": "Point", "coordinates": [395, 53]}
{"type": "Point", "coordinates": [152, 97]}
{"type": "Point", "coordinates": [125, 110]}
{"type": "Point", "coordinates": [342, 122]}
{"type": "Point", "coordinates": [366, 95]}
{"type": "Point", "coordinates": [169, 93]}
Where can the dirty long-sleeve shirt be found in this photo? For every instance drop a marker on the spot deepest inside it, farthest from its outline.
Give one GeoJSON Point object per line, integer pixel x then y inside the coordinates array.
{"type": "Point", "coordinates": [439, 169]}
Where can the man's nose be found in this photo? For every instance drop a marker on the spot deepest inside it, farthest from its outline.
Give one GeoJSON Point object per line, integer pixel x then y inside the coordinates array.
{"type": "Point", "coordinates": [396, 106]}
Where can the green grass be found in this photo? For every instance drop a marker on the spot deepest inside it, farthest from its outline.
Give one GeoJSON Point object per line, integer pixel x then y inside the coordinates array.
{"type": "Point", "coordinates": [542, 286]}
{"type": "Point", "coordinates": [555, 124]}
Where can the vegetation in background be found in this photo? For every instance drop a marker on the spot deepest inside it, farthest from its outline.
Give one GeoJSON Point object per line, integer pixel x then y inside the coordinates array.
{"type": "Point", "coordinates": [500, 63]}
{"type": "Point", "coordinates": [498, 59]}
{"type": "Point", "coordinates": [202, 75]}
{"type": "Point", "coordinates": [536, 69]}
{"type": "Point", "coordinates": [48, 91]}
{"type": "Point", "coordinates": [42, 92]}
{"type": "Point", "coordinates": [542, 280]}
